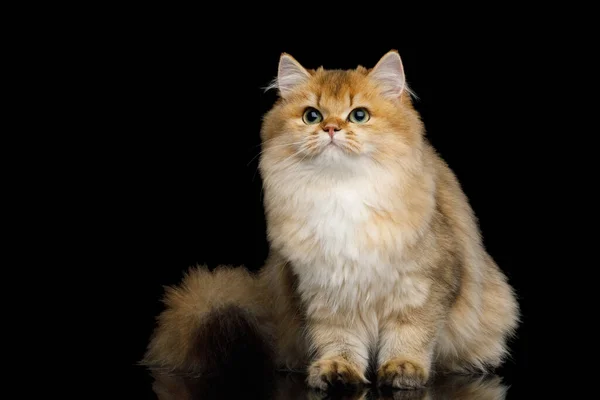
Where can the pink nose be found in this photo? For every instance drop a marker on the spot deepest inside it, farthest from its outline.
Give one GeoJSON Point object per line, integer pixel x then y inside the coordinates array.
{"type": "Point", "coordinates": [331, 129]}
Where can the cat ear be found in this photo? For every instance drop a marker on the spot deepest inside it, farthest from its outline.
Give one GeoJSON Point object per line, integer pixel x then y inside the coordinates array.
{"type": "Point", "coordinates": [290, 74]}
{"type": "Point", "coordinates": [389, 73]}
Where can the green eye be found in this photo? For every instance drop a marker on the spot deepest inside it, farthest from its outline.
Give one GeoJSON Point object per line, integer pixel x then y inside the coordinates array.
{"type": "Point", "coordinates": [359, 116]}
{"type": "Point", "coordinates": [312, 116]}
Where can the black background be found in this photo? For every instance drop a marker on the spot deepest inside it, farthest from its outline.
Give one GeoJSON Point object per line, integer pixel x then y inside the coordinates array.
{"type": "Point", "coordinates": [179, 133]}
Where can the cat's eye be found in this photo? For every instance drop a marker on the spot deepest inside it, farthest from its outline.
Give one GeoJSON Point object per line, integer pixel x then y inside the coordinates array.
{"type": "Point", "coordinates": [312, 116]}
{"type": "Point", "coordinates": [359, 116]}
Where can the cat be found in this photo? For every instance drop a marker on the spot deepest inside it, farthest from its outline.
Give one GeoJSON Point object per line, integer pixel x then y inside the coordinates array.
{"type": "Point", "coordinates": [376, 261]}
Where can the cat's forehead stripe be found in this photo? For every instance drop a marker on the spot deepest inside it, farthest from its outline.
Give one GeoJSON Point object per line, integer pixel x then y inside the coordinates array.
{"type": "Point", "coordinates": [335, 87]}
{"type": "Point", "coordinates": [336, 84]}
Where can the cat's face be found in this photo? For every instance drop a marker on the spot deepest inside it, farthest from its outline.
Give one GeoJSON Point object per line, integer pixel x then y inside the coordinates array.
{"type": "Point", "coordinates": [337, 118]}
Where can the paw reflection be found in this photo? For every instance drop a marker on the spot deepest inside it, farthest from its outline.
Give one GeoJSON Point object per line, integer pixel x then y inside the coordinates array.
{"type": "Point", "coordinates": [293, 387]}
{"type": "Point", "coordinates": [469, 387]}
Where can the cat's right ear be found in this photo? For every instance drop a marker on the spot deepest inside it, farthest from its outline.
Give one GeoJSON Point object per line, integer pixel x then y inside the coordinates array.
{"type": "Point", "coordinates": [289, 75]}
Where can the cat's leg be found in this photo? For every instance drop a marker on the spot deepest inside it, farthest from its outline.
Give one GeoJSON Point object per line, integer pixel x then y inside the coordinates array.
{"type": "Point", "coordinates": [341, 353]}
{"type": "Point", "coordinates": [406, 344]}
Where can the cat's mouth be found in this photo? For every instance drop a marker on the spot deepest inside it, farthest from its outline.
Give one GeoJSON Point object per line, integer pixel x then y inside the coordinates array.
{"type": "Point", "coordinates": [337, 149]}
{"type": "Point", "coordinates": [333, 146]}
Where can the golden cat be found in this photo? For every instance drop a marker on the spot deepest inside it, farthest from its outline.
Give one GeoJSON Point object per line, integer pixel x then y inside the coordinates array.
{"type": "Point", "coordinates": [376, 258]}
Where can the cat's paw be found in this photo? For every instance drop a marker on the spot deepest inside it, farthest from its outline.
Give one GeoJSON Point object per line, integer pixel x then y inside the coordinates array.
{"type": "Point", "coordinates": [327, 373]}
{"type": "Point", "coordinates": [402, 373]}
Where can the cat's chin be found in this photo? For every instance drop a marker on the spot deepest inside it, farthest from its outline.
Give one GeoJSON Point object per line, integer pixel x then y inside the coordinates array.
{"type": "Point", "coordinates": [335, 156]}
{"type": "Point", "coordinates": [332, 152]}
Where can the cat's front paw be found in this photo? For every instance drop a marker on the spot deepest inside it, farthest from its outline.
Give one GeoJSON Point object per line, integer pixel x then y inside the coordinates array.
{"type": "Point", "coordinates": [327, 373]}
{"type": "Point", "coordinates": [402, 373]}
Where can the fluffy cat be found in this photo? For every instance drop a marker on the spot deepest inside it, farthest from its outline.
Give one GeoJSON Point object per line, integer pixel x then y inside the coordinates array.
{"type": "Point", "coordinates": [376, 258]}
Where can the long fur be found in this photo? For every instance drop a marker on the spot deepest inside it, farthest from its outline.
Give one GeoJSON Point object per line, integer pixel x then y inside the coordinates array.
{"type": "Point", "coordinates": [213, 322]}
{"type": "Point", "coordinates": [376, 258]}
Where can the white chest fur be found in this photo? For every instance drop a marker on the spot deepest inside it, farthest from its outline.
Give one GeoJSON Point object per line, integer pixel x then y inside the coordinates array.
{"type": "Point", "coordinates": [345, 248]}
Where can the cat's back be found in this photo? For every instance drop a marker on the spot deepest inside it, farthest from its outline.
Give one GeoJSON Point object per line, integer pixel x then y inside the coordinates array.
{"type": "Point", "coordinates": [451, 200]}
{"type": "Point", "coordinates": [458, 225]}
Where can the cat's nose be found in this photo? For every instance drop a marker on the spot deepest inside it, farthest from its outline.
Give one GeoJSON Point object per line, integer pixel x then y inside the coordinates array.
{"type": "Point", "coordinates": [331, 129]}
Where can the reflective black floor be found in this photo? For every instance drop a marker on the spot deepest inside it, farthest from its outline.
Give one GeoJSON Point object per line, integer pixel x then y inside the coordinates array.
{"type": "Point", "coordinates": [291, 386]}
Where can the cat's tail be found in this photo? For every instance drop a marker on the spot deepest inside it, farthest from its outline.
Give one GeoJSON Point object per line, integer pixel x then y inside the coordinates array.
{"type": "Point", "coordinates": [213, 322]}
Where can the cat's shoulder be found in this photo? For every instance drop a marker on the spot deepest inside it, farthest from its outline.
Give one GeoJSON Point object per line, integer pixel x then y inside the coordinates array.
{"type": "Point", "coordinates": [444, 176]}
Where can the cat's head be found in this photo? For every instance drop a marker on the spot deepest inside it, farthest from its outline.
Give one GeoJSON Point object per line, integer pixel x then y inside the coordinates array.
{"type": "Point", "coordinates": [338, 118]}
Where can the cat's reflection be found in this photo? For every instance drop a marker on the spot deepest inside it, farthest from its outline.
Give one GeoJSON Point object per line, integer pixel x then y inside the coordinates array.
{"type": "Point", "coordinates": [292, 387]}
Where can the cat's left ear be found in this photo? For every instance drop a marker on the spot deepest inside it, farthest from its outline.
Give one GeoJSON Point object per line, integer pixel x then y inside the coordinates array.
{"type": "Point", "coordinates": [389, 73]}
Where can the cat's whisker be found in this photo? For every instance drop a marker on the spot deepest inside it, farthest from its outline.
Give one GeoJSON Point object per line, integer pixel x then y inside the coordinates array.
{"type": "Point", "coordinates": [286, 144]}
{"type": "Point", "coordinates": [254, 158]}
{"type": "Point", "coordinates": [262, 143]}
{"type": "Point", "coordinates": [269, 140]}
{"type": "Point", "coordinates": [273, 147]}
{"type": "Point", "coordinates": [350, 146]}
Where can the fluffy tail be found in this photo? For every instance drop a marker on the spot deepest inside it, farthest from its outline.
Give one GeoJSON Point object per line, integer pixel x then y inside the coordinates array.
{"type": "Point", "coordinates": [214, 322]}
